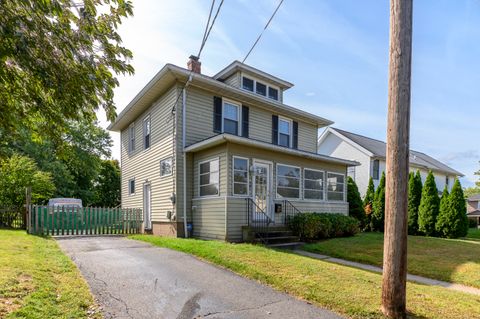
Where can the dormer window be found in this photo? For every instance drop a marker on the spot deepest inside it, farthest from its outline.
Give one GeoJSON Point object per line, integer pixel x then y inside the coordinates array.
{"type": "Point", "coordinates": [259, 88]}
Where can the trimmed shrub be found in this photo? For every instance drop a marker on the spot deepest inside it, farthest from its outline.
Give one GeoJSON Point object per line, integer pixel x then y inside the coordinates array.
{"type": "Point", "coordinates": [429, 207]}
{"type": "Point", "coordinates": [452, 222]}
{"type": "Point", "coordinates": [368, 204]}
{"type": "Point", "coordinates": [313, 226]}
{"type": "Point", "coordinates": [377, 222]}
{"type": "Point", "coordinates": [414, 197]}
{"type": "Point", "coordinates": [355, 204]}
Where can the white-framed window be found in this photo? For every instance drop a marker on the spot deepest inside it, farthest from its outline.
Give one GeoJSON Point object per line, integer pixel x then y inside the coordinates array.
{"type": "Point", "coordinates": [335, 187]}
{"type": "Point", "coordinates": [240, 176]}
{"type": "Point", "coordinates": [131, 186]}
{"type": "Point", "coordinates": [288, 181]}
{"type": "Point", "coordinates": [313, 181]}
{"type": "Point", "coordinates": [231, 117]}
{"type": "Point", "coordinates": [166, 168]}
{"type": "Point", "coordinates": [131, 138]}
{"type": "Point", "coordinates": [146, 132]}
{"type": "Point", "coordinates": [376, 169]}
{"type": "Point", "coordinates": [260, 88]}
{"type": "Point", "coordinates": [284, 132]}
{"type": "Point", "coordinates": [209, 177]}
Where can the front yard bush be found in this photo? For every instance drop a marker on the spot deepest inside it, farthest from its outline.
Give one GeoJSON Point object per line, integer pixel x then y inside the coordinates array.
{"type": "Point", "coordinates": [313, 226]}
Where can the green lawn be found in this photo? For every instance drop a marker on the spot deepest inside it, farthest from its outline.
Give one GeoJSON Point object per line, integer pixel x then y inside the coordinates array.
{"type": "Point", "coordinates": [450, 260]}
{"type": "Point", "coordinates": [38, 281]}
{"type": "Point", "coordinates": [349, 291]}
{"type": "Point", "coordinates": [473, 233]}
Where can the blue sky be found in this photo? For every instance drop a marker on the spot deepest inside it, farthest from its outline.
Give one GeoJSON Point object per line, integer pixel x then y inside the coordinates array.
{"type": "Point", "coordinates": [336, 54]}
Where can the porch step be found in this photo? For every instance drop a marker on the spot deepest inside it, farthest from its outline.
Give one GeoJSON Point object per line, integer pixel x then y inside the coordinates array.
{"type": "Point", "coordinates": [278, 240]}
{"type": "Point", "coordinates": [293, 245]}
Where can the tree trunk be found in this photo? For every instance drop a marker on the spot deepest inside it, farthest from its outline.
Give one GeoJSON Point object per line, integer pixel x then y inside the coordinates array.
{"type": "Point", "coordinates": [398, 129]}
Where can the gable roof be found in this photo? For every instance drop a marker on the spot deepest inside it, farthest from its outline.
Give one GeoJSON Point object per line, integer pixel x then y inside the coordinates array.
{"type": "Point", "coordinates": [474, 198]}
{"type": "Point", "coordinates": [171, 74]}
{"type": "Point", "coordinates": [239, 66]}
{"type": "Point", "coordinates": [378, 149]}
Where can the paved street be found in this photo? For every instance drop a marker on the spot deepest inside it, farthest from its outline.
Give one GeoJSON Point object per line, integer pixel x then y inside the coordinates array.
{"type": "Point", "coordinates": [132, 279]}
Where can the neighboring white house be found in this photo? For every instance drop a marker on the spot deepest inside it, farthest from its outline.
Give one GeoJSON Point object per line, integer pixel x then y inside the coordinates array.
{"type": "Point", "coordinates": [371, 154]}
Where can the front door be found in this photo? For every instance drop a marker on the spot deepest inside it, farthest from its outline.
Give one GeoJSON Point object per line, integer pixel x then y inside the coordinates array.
{"type": "Point", "coordinates": [261, 191]}
{"type": "Point", "coordinates": [147, 206]}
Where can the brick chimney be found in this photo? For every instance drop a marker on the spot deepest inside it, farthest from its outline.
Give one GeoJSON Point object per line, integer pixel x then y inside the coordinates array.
{"type": "Point", "coordinates": [194, 65]}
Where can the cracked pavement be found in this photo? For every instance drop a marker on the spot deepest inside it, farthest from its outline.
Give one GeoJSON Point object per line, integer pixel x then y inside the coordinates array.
{"type": "Point", "coordinates": [132, 279]}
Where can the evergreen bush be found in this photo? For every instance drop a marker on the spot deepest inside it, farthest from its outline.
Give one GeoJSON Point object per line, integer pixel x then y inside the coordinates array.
{"type": "Point", "coordinates": [429, 207]}
{"type": "Point", "coordinates": [378, 213]}
{"type": "Point", "coordinates": [355, 204]}
{"type": "Point", "coordinates": [452, 221]}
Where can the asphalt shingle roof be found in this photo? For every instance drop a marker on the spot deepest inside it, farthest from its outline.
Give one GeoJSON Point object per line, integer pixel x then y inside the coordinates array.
{"type": "Point", "coordinates": [379, 149]}
{"type": "Point", "coordinates": [474, 198]}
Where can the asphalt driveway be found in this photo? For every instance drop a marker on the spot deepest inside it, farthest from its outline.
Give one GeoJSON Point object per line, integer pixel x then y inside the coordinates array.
{"type": "Point", "coordinates": [131, 279]}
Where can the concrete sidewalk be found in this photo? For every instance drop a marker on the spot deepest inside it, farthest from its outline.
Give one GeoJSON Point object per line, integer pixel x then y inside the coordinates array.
{"type": "Point", "coordinates": [132, 279]}
{"type": "Point", "coordinates": [414, 278]}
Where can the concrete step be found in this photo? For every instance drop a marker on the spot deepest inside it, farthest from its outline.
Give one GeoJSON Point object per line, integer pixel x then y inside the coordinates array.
{"type": "Point", "coordinates": [278, 239]}
{"type": "Point", "coordinates": [275, 233]}
{"type": "Point", "coordinates": [293, 246]}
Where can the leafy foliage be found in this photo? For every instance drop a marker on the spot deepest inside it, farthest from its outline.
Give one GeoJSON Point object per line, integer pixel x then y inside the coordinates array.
{"type": "Point", "coordinates": [311, 226]}
{"type": "Point", "coordinates": [470, 191]}
{"type": "Point", "coordinates": [16, 173]}
{"type": "Point", "coordinates": [377, 222]}
{"type": "Point", "coordinates": [107, 184]}
{"type": "Point", "coordinates": [414, 197]}
{"type": "Point", "coordinates": [355, 201]}
{"type": "Point", "coordinates": [429, 207]}
{"type": "Point", "coordinates": [368, 204]}
{"type": "Point", "coordinates": [58, 62]}
{"type": "Point", "coordinates": [452, 221]}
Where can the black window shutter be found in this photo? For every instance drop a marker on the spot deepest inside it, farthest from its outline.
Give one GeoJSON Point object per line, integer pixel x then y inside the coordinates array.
{"type": "Point", "coordinates": [217, 114]}
{"type": "Point", "coordinates": [275, 129]}
{"type": "Point", "coordinates": [295, 135]}
{"type": "Point", "coordinates": [245, 119]}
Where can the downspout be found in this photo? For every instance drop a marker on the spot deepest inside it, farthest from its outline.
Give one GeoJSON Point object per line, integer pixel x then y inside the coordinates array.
{"type": "Point", "coordinates": [184, 109]}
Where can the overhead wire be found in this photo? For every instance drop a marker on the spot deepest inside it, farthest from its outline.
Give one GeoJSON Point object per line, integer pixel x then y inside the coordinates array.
{"type": "Point", "coordinates": [261, 33]}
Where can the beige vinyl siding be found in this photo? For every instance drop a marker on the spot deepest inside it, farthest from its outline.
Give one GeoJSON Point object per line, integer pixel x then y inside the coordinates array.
{"type": "Point", "coordinates": [144, 165]}
{"type": "Point", "coordinates": [200, 122]}
{"type": "Point", "coordinates": [236, 218]}
{"type": "Point", "coordinates": [209, 218]}
{"type": "Point", "coordinates": [234, 80]}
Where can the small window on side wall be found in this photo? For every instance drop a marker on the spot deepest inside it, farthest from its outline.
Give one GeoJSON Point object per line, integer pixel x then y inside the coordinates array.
{"type": "Point", "coordinates": [131, 186]}
{"type": "Point", "coordinates": [376, 169]}
{"type": "Point", "coordinates": [131, 138]}
{"type": "Point", "coordinates": [166, 167]}
{"type": "Point", "coordinates": [146, 132]}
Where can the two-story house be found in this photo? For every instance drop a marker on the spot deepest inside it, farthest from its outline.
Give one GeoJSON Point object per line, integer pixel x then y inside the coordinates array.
{"type": "Point", "coordinates": [371, 154]}
{"type": "Point", "coordinates": [473, 208]}
{"type": "Point", "coordinates": [210, 154]}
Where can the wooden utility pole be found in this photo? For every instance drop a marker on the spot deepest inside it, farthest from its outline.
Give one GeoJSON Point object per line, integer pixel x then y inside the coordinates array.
{"type": "Point", "coordinates": [398, 141]}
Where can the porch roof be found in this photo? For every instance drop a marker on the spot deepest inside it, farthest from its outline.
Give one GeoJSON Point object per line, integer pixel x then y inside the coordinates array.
{"type": "Point", "coordinates": [224, 138]}
{"type": "Point", "coordinates": [475, 213]}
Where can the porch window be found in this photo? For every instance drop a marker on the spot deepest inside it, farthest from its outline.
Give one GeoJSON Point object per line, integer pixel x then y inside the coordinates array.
{"type": "Point", "coordinates": [351, 172]}
{"type": "Point", "coordinates": [209, 178]}
{"type": "Point", "coordinates": [146, 132]}
{"type": "Point", "coordinates": [131, 186]}
{"type": "Point", "coordinates": [240, 176]}
{"type": "Point", "coordinates": [288, 181]}
{"type": "Point", "coordinates": [284, 132]}
{"type": "Point", "coordinates": [166, 167]}
{"type": "Point", "coordinates": [131, 138]}
{"type": "Point", "coordinates": [335, 187]}
{"type": "Point", "coordinates": [313, 184]}
{"type": "Point", "coordinates": [230, 117]}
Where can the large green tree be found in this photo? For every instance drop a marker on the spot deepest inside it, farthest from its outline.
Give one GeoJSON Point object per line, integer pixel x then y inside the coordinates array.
{"type": "Point", "coordinates": [414, 197]}
{"type": "Point", "coordinates": [377, 222]}
{"type": "Point", "coordinates": [452, 222]}
{"type": "Point", "coordinates": [107, 184]}
{"type": "Point", "coordinates": [429, 206]}
{"type": "Point", "coordinates": [58, 62]}
{"type": "Point", "coordinates": [355, 204]}
{"type": "Point", "coordinates": [18, 172]}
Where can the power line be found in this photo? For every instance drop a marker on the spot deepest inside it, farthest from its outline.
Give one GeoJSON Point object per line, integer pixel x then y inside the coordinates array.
{"type": "Point", "coordinates": [208, 22]}
{"type": "Point", "coordinates": [210, 29]}
{"type": "Point", "coordinates": [261, 33]}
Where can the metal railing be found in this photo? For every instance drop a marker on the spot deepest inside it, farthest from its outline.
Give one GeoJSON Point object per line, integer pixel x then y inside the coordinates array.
{"type": "Point", "coordinates": [258, 220]}
{"type": "Point", "coordinates": [289, 212]}
{"type": "Point", "coordinates": [12, 217]}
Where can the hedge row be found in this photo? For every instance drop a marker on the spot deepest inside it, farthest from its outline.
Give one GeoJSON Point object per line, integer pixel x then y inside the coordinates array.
{"type": "Point", "coordinates": [312, 226]}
